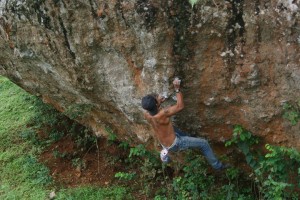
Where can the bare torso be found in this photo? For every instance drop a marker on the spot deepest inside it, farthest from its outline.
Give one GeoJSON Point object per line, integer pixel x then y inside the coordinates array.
{"type": "Point", "coordinates": [161, 122]}
{"type": "Point", "coordinates": [163, 128]}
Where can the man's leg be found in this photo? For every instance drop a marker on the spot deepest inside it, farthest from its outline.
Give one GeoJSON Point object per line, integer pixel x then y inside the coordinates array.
{"type": "Point", "coordinates": [186, 142]}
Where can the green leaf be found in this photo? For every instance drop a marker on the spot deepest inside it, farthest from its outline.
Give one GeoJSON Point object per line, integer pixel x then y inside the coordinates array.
{"type": "Point", "coordinates": [228, 143]}
{"type": "Point", "coordinates": [193, 2]}
{"type": "Point", "coordinates": [286, 106]}
{"type": "Point", "coordinates": [268, 147]}
{"type": "Point", "coordinates": [249, 159]}
{"type": "Point", "coordinates": [244, 147]}
{"type": "Point", "coordinates": [238, 129]}
{"type": "Point", "coordinates": [242, 136]}
{"type": "Point", "coordinates": [253, 163]}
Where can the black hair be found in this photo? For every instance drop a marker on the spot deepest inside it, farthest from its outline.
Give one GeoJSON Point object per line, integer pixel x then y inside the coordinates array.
{"type": "Point", "coordinates": [149, 103]}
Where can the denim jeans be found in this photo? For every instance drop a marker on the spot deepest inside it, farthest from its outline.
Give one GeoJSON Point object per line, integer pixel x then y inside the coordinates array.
{"type": "Point", "coordinates": [183, 141]}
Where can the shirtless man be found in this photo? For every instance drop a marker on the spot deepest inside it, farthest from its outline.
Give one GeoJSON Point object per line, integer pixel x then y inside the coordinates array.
{"type": "Point", "coordinates": [169, 137]}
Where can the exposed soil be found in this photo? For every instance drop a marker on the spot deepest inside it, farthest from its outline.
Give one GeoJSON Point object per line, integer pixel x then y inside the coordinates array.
{"type": "Point", "coordinates": [73, 167]}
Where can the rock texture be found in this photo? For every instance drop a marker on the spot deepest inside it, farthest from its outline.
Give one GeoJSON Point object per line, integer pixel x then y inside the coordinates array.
{"type": "Point", "coordinates": [94, 60]}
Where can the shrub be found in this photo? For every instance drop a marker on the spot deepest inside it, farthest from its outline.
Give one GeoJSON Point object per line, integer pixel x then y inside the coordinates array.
{"type": "Point", "coordinates": [292, 112]}
{"type": "Point", "coordinates": [276, 173]}
{"type": "Point", "coordinates": [195, 183]}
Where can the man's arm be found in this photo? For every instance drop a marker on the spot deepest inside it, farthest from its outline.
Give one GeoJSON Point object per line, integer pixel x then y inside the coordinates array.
{"type": "Point", "coordinates": [179, 105]}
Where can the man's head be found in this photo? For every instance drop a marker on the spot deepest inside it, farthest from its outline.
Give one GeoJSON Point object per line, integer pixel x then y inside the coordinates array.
{"type": "Point", "coordinates": [149, 103]}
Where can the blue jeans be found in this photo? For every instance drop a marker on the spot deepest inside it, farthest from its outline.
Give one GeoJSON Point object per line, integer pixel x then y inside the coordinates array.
{"type": "Point", "coordinates": [183, 141]}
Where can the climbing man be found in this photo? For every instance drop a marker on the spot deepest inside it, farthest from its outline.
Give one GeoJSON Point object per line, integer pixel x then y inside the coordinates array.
{"type": "Point", "coordinates": [170, 138]}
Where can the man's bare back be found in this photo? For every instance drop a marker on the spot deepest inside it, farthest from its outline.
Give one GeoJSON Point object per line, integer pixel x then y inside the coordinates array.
{"type": "Point", "coordinates": [160, 119]}
{"type": "Point", "coordinates": [163, 128]}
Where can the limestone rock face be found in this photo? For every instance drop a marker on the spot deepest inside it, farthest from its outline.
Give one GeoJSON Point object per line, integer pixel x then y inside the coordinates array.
{"type": "Point", "coordinates": [238, 61]}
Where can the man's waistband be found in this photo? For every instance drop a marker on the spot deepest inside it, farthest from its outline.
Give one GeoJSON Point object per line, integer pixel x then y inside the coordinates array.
{"type": "Point", "coordinates": [172, 145]}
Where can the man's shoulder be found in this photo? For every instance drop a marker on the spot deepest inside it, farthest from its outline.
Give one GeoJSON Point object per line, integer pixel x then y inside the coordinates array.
{"type": "Point", "coordinates": [165, 110]}
{"type": "Point", "coordinates": [163, 113]}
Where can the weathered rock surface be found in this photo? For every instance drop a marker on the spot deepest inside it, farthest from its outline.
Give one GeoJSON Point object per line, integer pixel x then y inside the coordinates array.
{"type": "Point", "coordinates": [239, 62]}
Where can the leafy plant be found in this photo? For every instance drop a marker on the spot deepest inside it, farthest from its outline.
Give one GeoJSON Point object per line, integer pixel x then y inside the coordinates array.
{"type": "Point", "coordinates": [139, 151]}
{"type": "Point", "coordinates": [78, 163]}
{"type": "Point", "coordinates": [124, 145]}
{"type": "Point", "coordinates": [195, 182]}
{"type": "Point", "coordinates": [292, 113]}
{"type": "Point", "coordinates": [58, 154]}
{"type": "Point", "coordinates": [244, 140]}
{"type": "Point", "coordinates": [125, 176]}
{"type": "Point", "coordinates": [150, 171]}
{"type": "Point", "coordinates": [274, 172]}
{"type": "Point", "coordinates": [84, 138]}
{"type": "Point", "coordinates": [112, 137]}
{"type": "Point", "coordinates": [279, 171]}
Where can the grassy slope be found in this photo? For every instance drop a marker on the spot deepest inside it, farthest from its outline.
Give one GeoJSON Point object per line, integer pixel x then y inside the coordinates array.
{"type": "Point", "coordinates": [22, 177]}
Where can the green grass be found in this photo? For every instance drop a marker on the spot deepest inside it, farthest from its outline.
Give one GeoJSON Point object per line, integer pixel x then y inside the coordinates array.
{"type": "Point", "coordinates": [82, 193]}
{"type": "Point", "coordinates": [21, 175]}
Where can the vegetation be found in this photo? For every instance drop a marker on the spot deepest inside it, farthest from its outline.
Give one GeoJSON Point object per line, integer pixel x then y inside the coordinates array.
{"type": "Point", "coordinates": [115, 193]}
{"type": "Point", "coordinates": [19, 171]}
{"type": "Point", "coordinates": [191, 181]}
{"type": "Point", "coordinates": [292, 112]}
{"type": "Point", "coordinates": [141, 175]}
{"type": "Point", "coordinates": [277, 173]}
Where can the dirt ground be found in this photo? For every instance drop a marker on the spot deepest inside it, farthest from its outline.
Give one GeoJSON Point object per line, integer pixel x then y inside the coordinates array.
{"type": "Point", "coordinates": [73, 167]}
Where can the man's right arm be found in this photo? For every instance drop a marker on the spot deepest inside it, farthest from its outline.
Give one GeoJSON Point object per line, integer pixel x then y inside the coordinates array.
{"type": "Point", "coordinates": [179, 105]}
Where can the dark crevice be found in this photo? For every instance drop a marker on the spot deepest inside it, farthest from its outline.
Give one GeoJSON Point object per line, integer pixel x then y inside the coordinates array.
{"type": "Point", "coordinates": [257, 8]}
{"type": "Point", "coordinates": [119, 11]}
{"type": "Point", "coordinates": [66, 37]}
{"type": "Point", "coordinates": [235, 29]}
{"type": "Point", "coordinates": [93, 10]}
{"type": "Point", "coordinates": [179, 15]}
{"type": "Point", "coordinates": [235, 20]}
{"type": "Point", "coordinates": [147, 11]}
{"type": "Point", "coordinates": [43, 18]}
{"type": "Point", "coordinates": [258, 29]}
